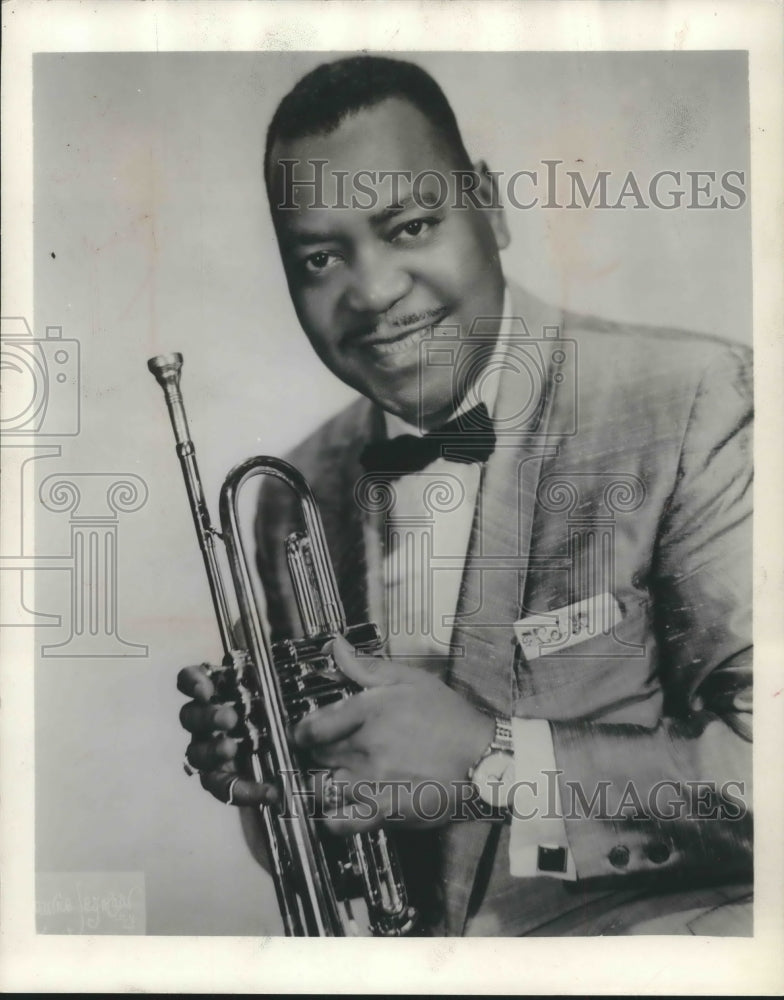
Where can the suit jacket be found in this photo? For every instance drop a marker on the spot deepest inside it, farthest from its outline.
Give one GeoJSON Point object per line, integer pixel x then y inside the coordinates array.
{"type": "Point", "coordinates": [628, 473]}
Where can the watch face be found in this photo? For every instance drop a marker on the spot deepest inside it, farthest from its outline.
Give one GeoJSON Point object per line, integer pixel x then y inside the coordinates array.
{"type": "Point", "coordinates": [492, 778]}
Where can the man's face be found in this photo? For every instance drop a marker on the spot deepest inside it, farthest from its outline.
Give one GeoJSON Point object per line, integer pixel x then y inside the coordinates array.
{"type": "Point", "coordinates": [369, 283]}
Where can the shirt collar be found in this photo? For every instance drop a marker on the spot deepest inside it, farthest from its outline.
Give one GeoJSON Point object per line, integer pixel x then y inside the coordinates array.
{"type": "Point", "coordinates": [396, 426]}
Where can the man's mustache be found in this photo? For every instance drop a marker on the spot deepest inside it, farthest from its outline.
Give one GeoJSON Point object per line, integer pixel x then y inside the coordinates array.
{"type": "Point", "coordinates": [406, 321]}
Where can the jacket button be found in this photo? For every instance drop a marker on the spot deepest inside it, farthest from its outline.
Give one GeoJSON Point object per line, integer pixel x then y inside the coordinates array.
{"type": "Point", "coordinates": [658, 853]}
{"type": "Point", "coordinates": [619, 857]}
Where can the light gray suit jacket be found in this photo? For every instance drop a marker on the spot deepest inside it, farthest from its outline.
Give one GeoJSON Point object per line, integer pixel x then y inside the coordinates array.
{"type": "Point", "coordinates": [630, 476]}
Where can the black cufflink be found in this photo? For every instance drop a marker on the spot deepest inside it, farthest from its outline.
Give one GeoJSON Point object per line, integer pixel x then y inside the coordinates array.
{"type": "Point", "coordinates": [551, 859]}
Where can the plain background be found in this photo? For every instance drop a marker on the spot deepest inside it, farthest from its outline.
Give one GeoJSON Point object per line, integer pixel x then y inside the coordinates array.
{"type": "Point", "coordinates": [148, 192]}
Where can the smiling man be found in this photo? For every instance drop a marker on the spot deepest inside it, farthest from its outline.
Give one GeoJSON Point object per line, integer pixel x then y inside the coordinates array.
{"type": "Point", "coordinates": [370, 282]}
{"type": "Point", "coordinates": [567, 629]}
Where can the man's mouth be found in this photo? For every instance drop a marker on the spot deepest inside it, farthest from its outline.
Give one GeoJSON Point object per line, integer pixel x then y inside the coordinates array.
{"type": "Point", "coordinates": [388, 338]}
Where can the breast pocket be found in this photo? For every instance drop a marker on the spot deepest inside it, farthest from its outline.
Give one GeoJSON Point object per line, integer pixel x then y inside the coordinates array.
{"type": "Point", "coordinates": [603, 673]}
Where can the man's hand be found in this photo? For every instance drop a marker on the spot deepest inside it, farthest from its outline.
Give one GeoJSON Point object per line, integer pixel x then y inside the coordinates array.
{"type": "Point", "coordinates": [212, 750]}
{"type": "Point", "coordinates": [400, 748]}
{"type": "Point", "coordinates": [406, 729]}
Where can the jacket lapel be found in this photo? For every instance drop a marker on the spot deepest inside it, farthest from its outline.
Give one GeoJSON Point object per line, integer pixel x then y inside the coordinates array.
{"type": "Point", "coordinates": [494, 579]}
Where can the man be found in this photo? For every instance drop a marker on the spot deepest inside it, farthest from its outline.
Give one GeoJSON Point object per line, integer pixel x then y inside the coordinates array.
{"type": "Point", "coordinates": [594, 690]}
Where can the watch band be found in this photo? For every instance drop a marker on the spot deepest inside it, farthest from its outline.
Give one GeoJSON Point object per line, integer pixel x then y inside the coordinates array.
{"type": "Point", "coordinates": [501, 743]}
{"type": "Point", "coordinates": [503, 734]}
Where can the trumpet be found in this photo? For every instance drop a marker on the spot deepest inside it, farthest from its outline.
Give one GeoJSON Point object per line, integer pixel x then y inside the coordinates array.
{"type": "Point", "coordinates": [317, 876]}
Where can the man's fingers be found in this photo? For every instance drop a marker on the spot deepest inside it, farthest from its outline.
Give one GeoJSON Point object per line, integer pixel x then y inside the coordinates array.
{"type": "Point", "coordinates": [196, 683]}
{"type": "Point", "coordinates": [202, 720]}
{"type": "Point", "coordinates": [335, 722]}
{"type": "Point", "coordinates": [243, 792]}
{"type": "Point", "coordinates": [211, 755]}
{"type": "Point", "coordinates": [340, 754]}
{"type": "Point", "coordinates": [367, 671]}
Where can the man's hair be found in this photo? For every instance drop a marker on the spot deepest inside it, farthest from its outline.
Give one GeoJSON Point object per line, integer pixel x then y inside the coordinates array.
{"type": "Point", "coordinates": [333, 91]}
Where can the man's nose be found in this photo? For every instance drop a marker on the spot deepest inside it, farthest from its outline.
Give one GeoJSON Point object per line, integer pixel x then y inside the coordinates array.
{"type": "Point", "coordinates": [377, 283]}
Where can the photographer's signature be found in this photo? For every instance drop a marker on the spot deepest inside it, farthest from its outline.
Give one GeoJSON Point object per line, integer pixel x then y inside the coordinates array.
{"type": "Point", "coordinates": [78, 908]}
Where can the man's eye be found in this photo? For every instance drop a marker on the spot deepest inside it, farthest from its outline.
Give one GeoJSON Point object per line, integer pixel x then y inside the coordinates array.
{"type": "Point", "coordinates": [319, 261]}
{"type": "Point", "coordinates": [410, 230]}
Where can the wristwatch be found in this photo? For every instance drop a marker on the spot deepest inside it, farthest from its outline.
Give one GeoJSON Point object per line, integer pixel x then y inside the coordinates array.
{"type": "Point", "coordinates": [493, 773]}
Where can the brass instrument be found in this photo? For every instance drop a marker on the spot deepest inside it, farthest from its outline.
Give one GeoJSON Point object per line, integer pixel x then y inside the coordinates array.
{"type": "Point", "coordinates": [316, 875]}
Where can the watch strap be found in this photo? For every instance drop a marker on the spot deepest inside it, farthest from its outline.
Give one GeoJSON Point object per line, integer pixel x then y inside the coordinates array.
{"type": "Point", "coordinates": [501, 743]}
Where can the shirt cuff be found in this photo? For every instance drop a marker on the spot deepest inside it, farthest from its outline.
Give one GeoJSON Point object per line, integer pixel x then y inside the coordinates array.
{"type": "Point", "coordinates": [538, 844]}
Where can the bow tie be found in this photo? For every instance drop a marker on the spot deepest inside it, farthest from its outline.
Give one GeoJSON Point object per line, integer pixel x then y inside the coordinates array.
{"type": "Point", "coordinates": [468, 438]}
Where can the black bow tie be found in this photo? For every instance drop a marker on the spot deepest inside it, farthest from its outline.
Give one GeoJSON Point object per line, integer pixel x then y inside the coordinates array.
{"type": "Point", "coordinates": [468, 438]}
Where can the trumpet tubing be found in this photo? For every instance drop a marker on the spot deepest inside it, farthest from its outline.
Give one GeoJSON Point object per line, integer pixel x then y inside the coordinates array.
{"type": "Point", "coordinates": [316, 876]}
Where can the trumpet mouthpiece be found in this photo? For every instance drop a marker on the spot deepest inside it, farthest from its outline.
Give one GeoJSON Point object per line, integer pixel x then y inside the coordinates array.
{"type": "Point", "coordinates": [166, 367]}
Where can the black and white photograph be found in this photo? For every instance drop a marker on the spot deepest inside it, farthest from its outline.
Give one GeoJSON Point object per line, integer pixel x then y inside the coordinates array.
{"type": "Point", "coordinates": [380, 545]}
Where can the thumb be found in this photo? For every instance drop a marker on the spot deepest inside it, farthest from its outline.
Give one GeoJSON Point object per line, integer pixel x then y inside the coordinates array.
{"type": "Point", "coordinates": [367, 671]}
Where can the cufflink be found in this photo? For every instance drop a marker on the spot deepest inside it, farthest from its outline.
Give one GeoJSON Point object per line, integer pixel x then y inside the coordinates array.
{"type": "Point", "coordinates": [551, 859]}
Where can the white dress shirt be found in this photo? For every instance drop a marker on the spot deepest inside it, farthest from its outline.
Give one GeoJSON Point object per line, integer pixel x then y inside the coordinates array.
{"type": "Point", "coordinates": [428, 530]}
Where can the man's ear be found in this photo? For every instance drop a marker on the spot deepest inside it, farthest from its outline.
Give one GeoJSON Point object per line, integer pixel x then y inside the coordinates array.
{"type": "Point", "coordinates": [487, 194]}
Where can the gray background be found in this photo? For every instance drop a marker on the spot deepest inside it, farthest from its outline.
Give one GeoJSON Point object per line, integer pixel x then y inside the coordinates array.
{"type": "Point", "coordinates": [148, 192]}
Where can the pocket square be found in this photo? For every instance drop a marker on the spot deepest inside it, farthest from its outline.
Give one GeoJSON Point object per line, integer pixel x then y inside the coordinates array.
{"type": "Point", "coordinates": [551, 631]}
